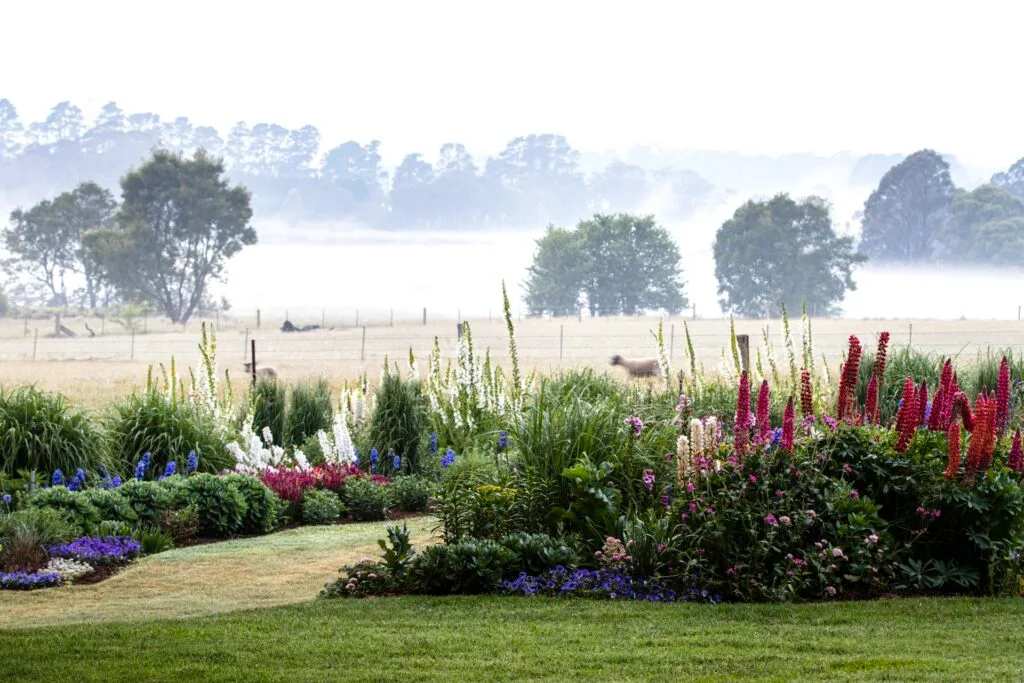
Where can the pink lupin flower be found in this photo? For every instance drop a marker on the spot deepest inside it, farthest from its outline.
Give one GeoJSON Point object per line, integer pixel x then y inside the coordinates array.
{"type": "Point", "coordinates": [1016, 460]}
{"type": "Point", "coordinates": [763, 426]}
{"type": "Point", "coordinates": [1003, 396]}
{"type": "Point", "coordinates": [788, 426]}
{"type": "Point", "coordinates": [741, 433]}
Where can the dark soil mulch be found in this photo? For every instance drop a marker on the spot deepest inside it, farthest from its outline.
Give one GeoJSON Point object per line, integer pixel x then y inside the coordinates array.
{"type": "Point", "coordinates": [100, 573]}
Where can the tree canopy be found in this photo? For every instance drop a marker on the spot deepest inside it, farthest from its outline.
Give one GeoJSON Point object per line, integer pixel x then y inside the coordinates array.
{"type": "Point", "coordinates": [986, 226]}
{"type": "Point", "coordinates": [178, 224]}
{"type": "Point", "coordinates": [905, 214]}
{"type": "Point", "coordinates": [782, 252]}
{"type": "Point", "coordinates": [618, 263]}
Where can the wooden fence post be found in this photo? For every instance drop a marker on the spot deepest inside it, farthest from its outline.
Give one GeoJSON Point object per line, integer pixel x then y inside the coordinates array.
{"type": "Point", "coordinates": [253, 360]}
{"type": "Point", "coordinates": [743, 342]}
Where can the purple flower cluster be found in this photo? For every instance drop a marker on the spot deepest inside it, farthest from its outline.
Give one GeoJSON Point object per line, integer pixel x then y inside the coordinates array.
{"type": "Point", "coordinates": [612, 583]}
{"type": "Point", "coordinates": [96, 550]}
{"type": "Point", "coordinates": [23, 580]}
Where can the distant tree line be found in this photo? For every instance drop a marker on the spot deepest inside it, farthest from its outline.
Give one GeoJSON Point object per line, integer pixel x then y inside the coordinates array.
{"type": "Point", "coordinates": [535, 179]}
{"type": "Point", "coordinates": [178, 222]}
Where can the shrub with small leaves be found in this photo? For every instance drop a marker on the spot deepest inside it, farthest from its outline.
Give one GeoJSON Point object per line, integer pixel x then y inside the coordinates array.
{"type": "Point", "coordinates": [76, 506]}
{"type": "Point", "coordinates": [261, 503]}
{"type": "Point", "coordinates": [111, 504]}
{"type": "Point", "coordinates": [320, 506]}
{"type": "Point", "coordinates": [411, 493]}
{"type": "Point", "coordinates": [221, 506]}
{"type": "Point", "coordinates": [469, 566]}
{"type": "Point", "coordinates": [364, 500]}
{"type": "Point", "coordinates": [148, 499]}
{"type": "Point", "coordinates": [182, 525]}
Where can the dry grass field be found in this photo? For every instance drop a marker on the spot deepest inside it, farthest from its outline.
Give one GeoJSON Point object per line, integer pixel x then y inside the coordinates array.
{"type": "Point", "coordinates": [92, 370]}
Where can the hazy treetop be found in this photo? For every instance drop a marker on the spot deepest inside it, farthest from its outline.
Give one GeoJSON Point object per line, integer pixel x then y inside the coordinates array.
{"type": "Point", "coordinates": [869, 76]}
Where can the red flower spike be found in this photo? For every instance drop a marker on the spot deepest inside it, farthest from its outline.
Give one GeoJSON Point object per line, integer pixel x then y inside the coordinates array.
{"type": "Point", "coordinates": [953, 461]}
{"type": "Point", "coordinates": [938, 406]}
{"type": "Point", "coordinates": [764, 427]}
{"type": "Point", "coordinates": [922, 403]}
{"type": "Point", "coordinates": [962, 407]}
{"type": "Point", "coordinates": [1016, 460]}
{"type": "Point", "coordinates": [848, 384]}
{"type": "Point", "coordinates": [740, 429]}
{"type": "Point", "coordinates": [880, 355]}
{"type": "Point", "coordinates": [944, 409]}
{"type": "Point", "coordinates": [906, 418]}
{"type": "Point", "coordinates": [788, 426]}
{"type": "Point", "coordinates": [871, 407]}
{"type": "Point", "coordinates": [989, 444]}
{"type": "Point", "coordinates": [806, 394]}
{"type": "Point", "coordinates": [1003, 396]}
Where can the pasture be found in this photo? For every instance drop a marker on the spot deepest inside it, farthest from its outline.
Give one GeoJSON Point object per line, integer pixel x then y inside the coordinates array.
{"type": "Point", "coordinates": [91, 370]}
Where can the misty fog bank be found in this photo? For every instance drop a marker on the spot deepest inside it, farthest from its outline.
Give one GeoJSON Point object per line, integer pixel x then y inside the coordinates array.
{"type": "Point", "coordinates": [453, 273]}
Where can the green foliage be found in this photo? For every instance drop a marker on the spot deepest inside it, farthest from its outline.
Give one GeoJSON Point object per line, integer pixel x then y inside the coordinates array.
{"type": "Point", "coordinates": [111, 504]}
{"type": "Point", "coordinates": [411, 493]}
{"type": "Point", "coordinates": [539, 552]}
{"type": "Point", "coordinates": [25, 534]}
{"type": "Point", "coordinates": [781, 252]}
{"type": "Point", "coordinates": [177, 226]}
{"type": "Point", "coordinates": [905, 215]}
{"type": "Point", "coordinates": [148, 499]}
{"type": "Point", "coordinates": [623, 263]}
{"type": "Point", "coordinates": [398, 552]}
{"type": "Point", "coordinates": [262, 504]}
{"type": "Point", "coordinates": [365, 501]}
{"type": "Point", "coordinates": [43, 431]}
{"type": "Point", "coordinates": [468, 566]}
{"type": "Point", "coordinates": [320, 506]}
{"type": "Point", "coordinates": [182, 525]}
{"type": "Point", "coordinates": [77, 508]}
{"type": "Point", "coordinates": [221, 506]}
{"type": "Point", "coordinates": [154, 541]}
{"type": "Point", "coordinates": [399, 420]}
{"type": "Point", "coordinates": [167, 429]}
{"type": "Point", "coordinates": [458, 496]}
{"type": "Point", "coordinates": [309, 411]}
{"type": "Point", "coordinates": [269, 406]}
{"type": "Point", "coordinates": [360, 580]}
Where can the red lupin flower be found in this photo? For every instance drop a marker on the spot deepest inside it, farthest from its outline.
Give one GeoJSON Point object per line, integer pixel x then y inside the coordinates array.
{"type": "Point", "coordinates": [945, 409]}
{"type": "Point", "coordinates": [871, 406]}
{"type": "Point", "coordinates": [906, 417]}
{"type": "Point", "coordinates": [1016, 460]}
{"type": "Point", "coordinates": [880, 354]}
{"type": "Point", "coordinates": [848, 384]}
{"type": "Point", "coordinates": [938, 406]}
{"type": "Point", "coordinates": [806, 394]}
{"type": "Point", "coordinates": [788, 426]}
{"type": "Point", "coordinates": [922, 403]}
{"type": "Point", "coordinates": [953, 440]}
{"type": "Point", "coordinates": [741, 430]}
{"type": "Point", "coordinates": [1003, 396]}
{"type": "Point", "coordinates": [764, 427]}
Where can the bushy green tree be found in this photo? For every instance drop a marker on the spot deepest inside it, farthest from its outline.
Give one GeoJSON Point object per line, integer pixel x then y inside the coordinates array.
{"type": "Point", "coordinates": [781, 252]}
{"type": "Point", "coordinates": [908, 209]}
{"type": "Point", "coordinates": [178, 225]}
{"type": "Point", "coordinates": [985, 225]}
{"type": "Point", "coordinates": [621, 263]}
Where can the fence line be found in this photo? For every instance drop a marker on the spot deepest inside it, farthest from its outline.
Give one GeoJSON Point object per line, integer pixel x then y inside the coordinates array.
{"type": "Point", "coordinates": [542, 342]}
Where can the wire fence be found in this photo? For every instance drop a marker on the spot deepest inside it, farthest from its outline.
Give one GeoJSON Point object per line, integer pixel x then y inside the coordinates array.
{"type": "Point", "coordinates": [539, 342]}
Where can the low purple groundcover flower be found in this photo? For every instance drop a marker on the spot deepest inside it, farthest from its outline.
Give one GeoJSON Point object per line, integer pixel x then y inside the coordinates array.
{"type": "Point", "coordinates": [23, 580]}
{"type": "Point", "coordinates": [609, 583]}
{"type": "Point", "coordinates": [96, 550]}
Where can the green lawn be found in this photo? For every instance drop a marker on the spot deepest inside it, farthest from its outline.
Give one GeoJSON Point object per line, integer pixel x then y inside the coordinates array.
{"type": "Point", "coordinates": [494, 638]}
{"type": "Point", "coordinates": [244, 610]}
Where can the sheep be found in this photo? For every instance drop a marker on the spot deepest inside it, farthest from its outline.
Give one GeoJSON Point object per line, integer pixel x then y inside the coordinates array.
{"type": "Point", "coordinates": [265, 371]}
{"type": "Point", "coordinates": [638, 368]}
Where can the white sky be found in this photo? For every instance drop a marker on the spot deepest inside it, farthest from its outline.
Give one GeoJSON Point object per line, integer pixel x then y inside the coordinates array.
{"type": "Point", "coordinates": [757, 76]}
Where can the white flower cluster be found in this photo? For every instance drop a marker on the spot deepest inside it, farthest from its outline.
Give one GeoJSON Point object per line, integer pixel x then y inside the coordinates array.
{"type": "Point", "coordinates": [261, 453]}
{"type": "Point", "coordinates": [68, 569]}
{"type": "Point", "coordinates": [460, 397]}
{"type": "Point", "coordinates": [338, 447]}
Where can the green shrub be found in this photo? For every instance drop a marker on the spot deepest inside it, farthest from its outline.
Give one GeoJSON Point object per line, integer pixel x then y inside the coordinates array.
{"type": "Point", "coordinates": [110, 527]}
{"type": "Point", "coordinates": [25, 534]}
{"type": "Point", "coordinates": [309, 411]}
{"type": "Point", "coordinates": [111, 504]}
{"type": "Point", "coordinates": [167, 430]}
{"type": "Point", "coordinates": [261, 504]}
{"type": "Point", "coordinates": [359, 580]}
{"type": "Point", "coordinates": [221, 506]}
{"type": "Point", "coordinates": [154, 541]}
{"type": "Point", "coordinates": [148, 499]}
{"type": "Point", "coordinates": [312, 450]}
{"type": "Point", "coordinates": [268, 403]}
{"type": "Point", "coordinates": [539, 552]}
{"type": "Point", "coordinates": [469, 566]}
{"type": "Point", "coordinates": [181, 525]}
{"type": "Point", "coordinates": [364, 500]}
{"type": "Point", "coordinates": [320, 506]}
{"type": "Point", "coordinates": [399, 419]}
{"type": "Point", "coordinates": [77, 508]}
{"type": "Point", "coordinates": [43, 431]}
{"type": "Point", "coordinates": [411, 493]}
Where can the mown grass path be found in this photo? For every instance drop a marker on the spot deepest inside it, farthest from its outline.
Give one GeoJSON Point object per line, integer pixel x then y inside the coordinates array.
{"type": "Point", "coordinates": [502, 638]}
{"type": "Point", "coordinates": [265, 571]}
